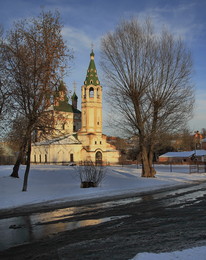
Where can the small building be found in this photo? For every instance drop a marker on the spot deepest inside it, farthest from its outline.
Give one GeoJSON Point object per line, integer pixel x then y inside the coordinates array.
{"type": "Point", "coordinates": [181, 157]}
{"type": "Point", "coordinates": [203, 143]}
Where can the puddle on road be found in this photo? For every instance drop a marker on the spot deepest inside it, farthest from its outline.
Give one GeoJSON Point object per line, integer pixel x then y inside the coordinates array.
{"type": "Point", "coordinates": [182, 197]}
{"type": "Point", "coordinates": [25, 229]}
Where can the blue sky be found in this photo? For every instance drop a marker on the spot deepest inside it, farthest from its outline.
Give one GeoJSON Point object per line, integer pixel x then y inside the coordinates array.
{"type": "Point", "coordinates": [86, 21]}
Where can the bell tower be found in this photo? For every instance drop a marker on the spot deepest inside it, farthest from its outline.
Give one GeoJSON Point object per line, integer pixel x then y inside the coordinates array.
{"type": "Point", "coordinates": [91, 93]}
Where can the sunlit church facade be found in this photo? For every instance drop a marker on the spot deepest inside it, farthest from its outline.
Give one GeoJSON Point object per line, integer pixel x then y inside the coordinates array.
{"type": "Point", "coordinates": [78, 134]}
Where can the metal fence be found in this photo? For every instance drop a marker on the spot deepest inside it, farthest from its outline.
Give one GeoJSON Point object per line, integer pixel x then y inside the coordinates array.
{"type": "Point", "coordinates": [197, 168]}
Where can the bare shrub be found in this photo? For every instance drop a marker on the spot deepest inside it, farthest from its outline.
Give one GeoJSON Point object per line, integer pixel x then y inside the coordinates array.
{"type": "Point", "coordinates": [90, 175]}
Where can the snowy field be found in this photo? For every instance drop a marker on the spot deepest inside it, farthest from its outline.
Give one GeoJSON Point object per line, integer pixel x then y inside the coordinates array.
{"type": "Point", "coordinates": [61, 183]}
{"type": "Point", "coordinates": [54, 184]}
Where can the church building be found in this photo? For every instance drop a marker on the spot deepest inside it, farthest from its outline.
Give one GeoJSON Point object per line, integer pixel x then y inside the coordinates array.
{"type": "Point", "coordinates": [78, 134]}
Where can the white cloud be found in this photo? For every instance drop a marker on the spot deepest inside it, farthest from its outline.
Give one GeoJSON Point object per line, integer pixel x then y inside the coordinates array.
{"type": "Point", "coordinates": [180, 20]}
{"type": "Point", "coordinates": [78, 39]}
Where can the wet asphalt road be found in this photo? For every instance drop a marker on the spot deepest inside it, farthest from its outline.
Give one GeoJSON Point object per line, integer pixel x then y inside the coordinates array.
{"type": "Point", "coordinates": [118, 229]}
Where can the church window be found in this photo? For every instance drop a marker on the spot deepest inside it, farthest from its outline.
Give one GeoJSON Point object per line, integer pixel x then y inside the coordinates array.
{"type": "Point", "coordinates": [95, 142]}
{"type": "Point", "coordinates": [71, 157]}
{"type": "Point", "coordinates": [91, 92]}
{"type": "Point", "coordinates": [100, 142]}
{"type": "Point", "coordinates": [85, 92]}
{"type": "Point", "coordinates": [45, 158]}
{"type": "Point", "coordinates": [91, 81]}
{"type": "Point", "coordinates": [63, 126]}
{"type": "Point", "coordinates": [97, 123]}
{"type": "Point", "coordinates": [40, 158]}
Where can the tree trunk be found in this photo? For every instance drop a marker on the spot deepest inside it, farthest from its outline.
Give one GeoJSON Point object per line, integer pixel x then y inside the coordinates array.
{"type": "Point", "coordinates": [28, 159]}
{"type": "Point", "coordinates": [15, 172]}
{"type": "Point", "coordinates": [147, 167]}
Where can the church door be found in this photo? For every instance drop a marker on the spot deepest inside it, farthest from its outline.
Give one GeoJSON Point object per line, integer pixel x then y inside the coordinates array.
{"type": "Point", "coordinates": [98, 158]}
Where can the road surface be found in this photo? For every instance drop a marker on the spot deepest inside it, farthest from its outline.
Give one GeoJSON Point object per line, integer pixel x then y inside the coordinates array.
{"type": "Point", "coordinates": [119, 229]}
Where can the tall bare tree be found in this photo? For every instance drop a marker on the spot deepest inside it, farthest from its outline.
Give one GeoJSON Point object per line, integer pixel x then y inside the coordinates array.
{"type": "Point", "coordinates": [4, 93]}
{"type": "Point", "coordinates": [149, 76]}
{"type": "Point", "coordinates": [36, 57]}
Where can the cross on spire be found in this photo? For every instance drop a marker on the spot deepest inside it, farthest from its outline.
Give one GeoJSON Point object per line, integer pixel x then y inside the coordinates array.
{"type": "Point", "coordinates": [74, 85]}
{"type": "Point", "coordinates": [92, 46]}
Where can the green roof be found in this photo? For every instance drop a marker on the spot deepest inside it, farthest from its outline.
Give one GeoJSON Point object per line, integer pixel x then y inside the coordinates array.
{"type": "Point", "coordinates": [92, 78]}
{"type": "Point", "coordinates": [63, 105]}
{"type": "Point", "coordinates": [62, 86]}
{"type": "Point", "coordinates": [66, 107]}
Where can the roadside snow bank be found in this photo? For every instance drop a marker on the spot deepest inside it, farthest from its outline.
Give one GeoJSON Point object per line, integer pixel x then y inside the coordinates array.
{"type": "Point", "coordinates": [188, 254]}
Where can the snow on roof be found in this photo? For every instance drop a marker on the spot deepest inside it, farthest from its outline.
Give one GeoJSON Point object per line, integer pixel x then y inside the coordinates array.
{"type": "Point", "coordinates": [200, 152]}
{"type": "Point", "coordinates": [66, 139]}
{"type": "Point", "coordinates": [178, 154]}
{"type": "Point", "coordinates": [184, 154]}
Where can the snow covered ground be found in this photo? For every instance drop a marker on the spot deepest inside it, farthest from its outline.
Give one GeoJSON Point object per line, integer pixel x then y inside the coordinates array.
{"type": "Point", "coordinates": [198, 253]}
{"type": "Point", "coordinates": [53, 184]}
{"type": "Point", "coordinates": [61, 183]}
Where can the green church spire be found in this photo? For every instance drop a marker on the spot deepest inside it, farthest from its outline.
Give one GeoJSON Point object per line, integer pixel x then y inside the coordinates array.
{"type": "Point", "coordinates": [92, 78]}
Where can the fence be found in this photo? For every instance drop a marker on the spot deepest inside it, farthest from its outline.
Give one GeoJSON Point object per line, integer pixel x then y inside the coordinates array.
{"type": "Point", "coordinates": [198, 168]}
{"type": "Point", "coordinates": [195, 167]}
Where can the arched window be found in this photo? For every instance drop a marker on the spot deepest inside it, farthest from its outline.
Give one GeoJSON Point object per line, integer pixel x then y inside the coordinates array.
{"type": "Point", "coordinates": [91, 92]}
{"type": "Point", "coordinates": [98, 158]}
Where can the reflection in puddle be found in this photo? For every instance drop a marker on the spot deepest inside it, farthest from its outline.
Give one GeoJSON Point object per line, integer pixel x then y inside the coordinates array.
{"type": "Point", "coordinates": [24, 229]}
{"type": "Point", "coordinates": [20, 230]}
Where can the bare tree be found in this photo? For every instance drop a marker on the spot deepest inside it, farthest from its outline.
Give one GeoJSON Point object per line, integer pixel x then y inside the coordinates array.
{"type": "Point", "coordinates": [149, 76]}
{"type": "Point", "coordinates": [90, 175]}
{"type": "Point", "coordinates": [4, 93]}
{"type": "Point", "coordinates": [35, 56]}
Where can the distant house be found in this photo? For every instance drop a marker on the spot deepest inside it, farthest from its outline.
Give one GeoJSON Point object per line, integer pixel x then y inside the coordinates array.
{"type": "Point", "coordinates": [203, 142]}
{"type": "Point", "coordinates": [180, 157]}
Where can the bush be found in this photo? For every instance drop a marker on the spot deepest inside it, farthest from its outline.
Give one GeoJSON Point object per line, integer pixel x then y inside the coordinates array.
{"type": "Point", "coordinates": [90, 175]}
